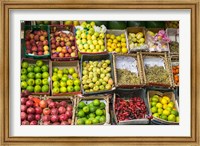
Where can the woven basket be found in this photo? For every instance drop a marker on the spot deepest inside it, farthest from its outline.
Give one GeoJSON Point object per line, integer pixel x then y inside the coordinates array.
{"type": "Point", "coordinates": [166, 64]}
{"type": "Point", "coordinates": [62, 65]}
{"type": "Point", "coordinates": [137, 58]}
{"type": "Point", "coordinates": [106, 98]}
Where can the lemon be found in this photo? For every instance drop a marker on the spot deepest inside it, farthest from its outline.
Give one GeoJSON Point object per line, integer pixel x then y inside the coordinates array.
{"type": "Point", "coordinates": [171, 118]}
{"type": "Point", "coordinates": [159, 105]}
{"type": "Point", "coordinates": [118, 38]}
{"type": "Point", "coordinates": [154, 109]}
{"type": "Point", "coordinates": [112, 36]}
{"type": "Point", "coordinates": [122, 35]}
{"type": "Point", "coordinates": [123, 40]}
{"type": "Point", "coordinates": [113, 45]}
{"type": "Point", "coordinates": [163, 101]}
{"type": "Point", "coordinates": [119, 45]}
{"type": "Point", "coordinates": [164, 106]}
{"type": "Point", "coordinates": [109, 40]}
{"type": "Point", "coordinates": [124, 50]}
{"type": "Point", "coordinates": [171, 104]}
{"type": "Point", "coordinates": [117, 50]}
{"type": "Point", "coordinates": [108, 44]}
{"type": "Point", "coordinates": [166, 112]}
{"type": "Point", "coordinates": [160, 111]}
{"type": "Point", "coordinates": [123, 44]}
{"type": "Point", "coordinates": [167, 98]}
{"type": "Point", "coordinates": [110, 49]}
{"type": "Point", "coordinates": [115, 41]}
{"type": "Point", "coordinates": [107, 36]}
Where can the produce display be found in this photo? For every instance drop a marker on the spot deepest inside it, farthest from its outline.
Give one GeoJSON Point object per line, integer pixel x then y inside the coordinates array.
{"type": "Point", "coordinates": [65, 80]}
{"type": "Point", "coordinates": [158, 41]}
{"type": "Point", "coordinates": [133, 108]}
{"type": "Point", "coordinates": [96, 76]}
{"type": "Point", "coordinates": [90, 38]}
{"type": "Point", "coordinates": [63, 44]}
{"type": "Point", "coordinates": [116, 43]}
{"type": "Point", "coordinates": [83, 72]}
{"type": "Point", "coordinates": [34, 76]}
{"type": "Point", "coordinates": [164, 108]}
{"type": "Point", "coordinates": [56, 112]}
{"type": "Point", "coordinates": [91, 113]}
{"type": "Point", "coordinates": [36, 42]}
{"type": "Point", "coordinates": [156, 74]}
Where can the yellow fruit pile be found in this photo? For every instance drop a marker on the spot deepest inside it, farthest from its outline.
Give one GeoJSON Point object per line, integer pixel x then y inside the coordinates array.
{"type": "Point", "coordinates": [164, 108]}
{"type": "Point", "coordinates": [136, 40]}
{"type": "Point", "coordinates": [116, 43]}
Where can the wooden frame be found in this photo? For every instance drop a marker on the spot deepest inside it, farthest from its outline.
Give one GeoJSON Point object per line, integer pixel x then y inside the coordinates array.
{"type": "Point", "coordinates": [6, 5]}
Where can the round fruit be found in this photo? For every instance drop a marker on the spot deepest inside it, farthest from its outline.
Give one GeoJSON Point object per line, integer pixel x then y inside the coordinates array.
{"type": "Point", "coordinates": [86, 109]}
{"type": "Point", "coordinates": [30, 88]}
{"type": "Point", "coordinates": [44, 68]}
{"type": "Point", "coordinates": [174, 112]}
{"type": "Point", "coordinates": [81, 104]}
{"type": "Point", "coordinates": [38, 75]}
{"type": "Point", "coordinates": [81, 113]}
{"type": "Point", "coordinates": [159, 105]}
{"type": "Point", "coordinates": [102, 119]}
{"type": "Point", "coordinates": [164, 117]}
{"type": "Point", "coordinates": [99, 112]}
{"type": "Point", "coordinates": [96, 102]}
{"type": "Point", "coordinates": [156, 115]}
{"type": "Point", "coordinates": [38, 82]}
{"type": "Point", "coordinates": [166, 112]}
{"type": "Point", "coordinates": [25, 64]}
{"type": "Point", "coordinates": [77, 88]}
{"type": "Point", "coordinates": [172, 118]}
{"type": "Point", "coordinates": [37, 69]}
{"type": "Point", "coordinates": [37, 88]}
{"type": "Point", "coordinates": [45, 88]}
{"type": "Point", "coordinates": [88, 122]}
{"type": "Point", "coordinates": [45, 75]}
{"type": "Point", "coordinates": [71, 71]}
{"type": "Point", "coordinates": [154, 109]}
{"type": "Point", "coordinates": [80, 122]}
{"type": "Point", "coordinates": [39, 63]}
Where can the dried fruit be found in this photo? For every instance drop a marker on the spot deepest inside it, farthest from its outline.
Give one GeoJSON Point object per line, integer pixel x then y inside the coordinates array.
{"type": "Point", "coordinates": [127, 77]}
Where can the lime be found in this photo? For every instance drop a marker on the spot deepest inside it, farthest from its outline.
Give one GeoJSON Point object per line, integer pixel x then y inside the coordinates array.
{"type": "Point", "coordinates": [95, 121]}
{"type": "Point", "coordinates": [167, 98]}
{"type": "Point", "coordinates": [164, 117]}
{"type": "Point", "coordinates": [177, 119]}
{"type": "Point", "coordinates": [81, 113]}
{"type": "Point", "coordinates": [153, 103]}
{"type": "Point", "coordinates": [84, 119]}
{"type": "Point", "coordinates": [90, 104]}
{"type": "Point", "coordinates": [174, 112]}
{"type": "Point", "coordinates": [98, 117]}
{"type": "Point", "coordinates": [102, 119]}
{"type": "Point", "coordinates": [171, 118]}
{"type": "Point", "coordinates": [154, 109]}
{"type": "Point", "coordinates": [86, 109]}
{"type": "Point", "coordinates": [92, 109]}
{"type": "Point", "coordinates": [80, 122]}
{"type": "Point", "coordinates": [99, 112]}
{"type": "Point", "coordinates": [92, 115]}
{"type": "Point", "coordinates": [96, 102]}
{"type": "Point", "coordinates": [156, 115]}
{"type": "Point", "coordinates": [102, 105]}
{"type": "Point", "coordinates": [159, 105]}
{"type": "Point", "coordinates": [81, 104]}
{"type": "Point", "coordinates": [168, 108]}
{"type": "Point", "coordinates": [88, 122]}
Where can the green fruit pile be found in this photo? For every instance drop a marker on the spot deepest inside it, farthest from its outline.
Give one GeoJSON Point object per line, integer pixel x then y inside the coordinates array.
{"type": "Point", "coordinates": [96, 76]}
{"type": "Point", "coordinates": [65, 80]}
{"type": "Point", "coordinates": [164, 108]}
{"type": "Point", "coordinates": [92, 113]}
{"type": "Point", "coordinates": [88, 40]}
{"type": "Point", "coordinates": [34, 77]}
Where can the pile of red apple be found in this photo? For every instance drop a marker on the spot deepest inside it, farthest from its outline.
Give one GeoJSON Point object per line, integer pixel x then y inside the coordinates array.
{"type": "Point", "coordinates": [56, 112]}
{"type": "Point", "coordinates": [30, 110]}
{"type": "Point", "coordinates": [63, 45]}
{"type": "Point", "coordinates": [37, 42]}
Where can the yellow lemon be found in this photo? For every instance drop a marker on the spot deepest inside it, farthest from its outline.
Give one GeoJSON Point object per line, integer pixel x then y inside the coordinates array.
{"type": "Point", "coordinates": [124, 50]}
{"type": "Point", "coordinates": [163, 101]}
{"type": "Point", "coordinates": [177, 119]}
{"type": "Point", "coordinates": [119, 45]}
{"type": "Point", "coordinates": [160, 111]}
{"type": "Point", "coordinates": [123, 40]}
{"type": "Point", "coordinates": [122, 35]}
{"type": "Point", "coordinates": [159, 105]}
{"type": "Point", "coordinates": [108, 44]}
{"type": "Point", "coordinates": [112, 36]}
{"type": "Point", "coordinates": [171, 104]}
{"type": "Point", "coordinates": [166, 112]}
{"type": "Point", "coordinates": [123, 44]}
{"type": "Point", "coordinates": [115, 41]}
{"type": "Point", "coordinates": [164, 106]}
{"type": "Point", "coordinates": [113, 45]}
{"type": "Point", "coordinates": [107, 36]}
{"type": "Point", "coordinates": [110, 49]}
{"type": "Point", "coordinates": [109, 40]}
{"type": "Point", "coordinates": [117, 50]}
{"type": "Point", "coordinates": [167, 98]}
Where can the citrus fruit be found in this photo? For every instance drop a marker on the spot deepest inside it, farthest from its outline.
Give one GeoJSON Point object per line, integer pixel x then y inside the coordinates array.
{"type": "Point", "coordinates": [102, 119]}
{"type": "Point", "coordinates": [164, 106]}
{"type": "Point", "coordinates": [159, 105]}
{"type": "Point", "coordinates": [102, 105]}
{"type": "Point", "coordinates": [88, 122]}
{"type": "Point", "coordinates": [167, 98]}
{"type": "Point", "coordinates": [81, 113]}
{"type": "Point", "coordinates": [160, 111]}
{"type": "Point", "coordinates": [163, 101]}
{"type": "Point", "coordinates": [81, 104]}
{"type": "Point", "coordinates": [171, 118]}
{"type": "Point", "coordinates": [154, 109]}
{"type": "Point", "coordinates": [171, 104]}
{"type": "Point", "coordinates": [153, 103]}
{"type": "Point", "coordinates": [91, 115]}
{"type": "Point", "coordinates": [164, 117]}
{"type": "Point", "coordinates": [166, 112]}
{"type": "Point", "coordinates": [86, 109]}
{"type": "Point", "coordinates": [168, 108]}
{"type": "Point", "coordinates": [174, 112]}
{"type": "Point", "coordinates": [156, 115]}
{"type": "Point", "coordinates": [97, 117]}
{"type": "Point", "coordinates": [80, 122]}
{"type": "Point", "coordinates": [177, 119]}
{"type": "Point", "coordinates": [99, 112]}
{"type": "Point", "coordinates": [95, 121]}
{"type": "Point", "coordinates": [155, 99]}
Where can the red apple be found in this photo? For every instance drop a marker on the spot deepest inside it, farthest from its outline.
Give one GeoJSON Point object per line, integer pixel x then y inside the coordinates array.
{"type": "Point", "coordinates": [40, 49]}
{"type": "Point", "coordinates": [61, 55]}
{"type": "Point", "coordinates": [67, 55]}
{"type": "Point", "coordinates": [45, 33]}
{"type": "Point", "coordinates": [38, 33]}
{"type": "Point", "coordinates": [53, 41]}
{"type": "Point", "coordinates": [69, 50]}
{"type": "Point", "coordinates": [31, 36]}
{"type": "Point", "coordinates": [55, 55]}
{"type": "Point", "coordinates": [40, 53]}
{"type": "Point", "coordinates": [45, 42]}
{"type": "Point", "coordinates": [46, 111]}
{"type": "Point", "coordinates": [57, 44]}
{"type": "Point", "coordinates": [34, 48]}
{"type": "Point", "coordinates": [62, 43]}
{"type": "Point", "coordinates": [32, 41]}
{"type": "Point", "coordinates": [53, 46]}
{"type": "Point", "coordinates": [36, 37]}
{"type": "Point", "coordinates": [53, 51]}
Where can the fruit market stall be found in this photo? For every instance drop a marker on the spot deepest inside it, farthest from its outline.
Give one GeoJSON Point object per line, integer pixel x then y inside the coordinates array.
{"type": "Point", "coordinates": [100, 73]}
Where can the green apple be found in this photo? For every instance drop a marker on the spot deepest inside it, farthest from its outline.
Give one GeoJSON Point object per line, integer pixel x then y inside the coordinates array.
{"type": "Point", "coordinates": [45, 68]}
{"type": "Point", "coordinates": [30, 88]}
{"type": "Point", "coordinates": [108, 75]}
{"type": "Point", "coordinates": [60, 71]}
{"type": "Point", "coordinates": [45, 75]}
{"type": "Point", "coordinates": [91, 85]}
{"type": "Point", "coordinates": [71, 71]}
{"type": "Point", "coordinates": [56, 90]}
{"type": "Point", "coordinates": [83, 36]}
{"type": "Point", "coordinates": [101, 87]}
{"type": "Point", "coordinates": [37, 69]}
{"type": "Point", "coordinates": [98, 83]}
{"type": "Point", "coordinates": [39, 63]}
{"type": "Point", "coordinates": [102, 76]}
{"type": "Point", "coordinates": [56, 84]}
{"type": "Point", "coordinates": [94, 80]}
{"type": "Point", "coordinates": [77, 82]}
{"type": "Point", "coordinates": [37, 88]}
{"type": "Point", "coordinates": [55, 69]}
{"type": "Point", "coordinates": [108, 69]}
{"type": "Point", "coordinates": [96, 34]}
{"type": "Point", "coordinates": [45, 88]}
{"type": "Point", "coordinates": [63, 89]}
{"type": "Point", "coordinates": [31, 82]}
{"type": "Point", "coordinates": [38, 82]}
{"type": "Point", "coordinates": [38, 75]}
{"type": "Point", "coordinates": [64, 78]}
{"type": "Point", "coordinates": [55, 78]}
{"type": "Point", "coordinates": [96, 88]}
{"type": "Point", "coordinates": [70, 82]}
{"type": "Point", "coordinates": [75, 75]}
{"type": "Point", "coordinates": [108, 86]}
{"type": "Point", "coordinates": [23, 71]}
{"type": "Point", "coordinates": [106, 79]}
{"type": "Point", "coordinates": [30, 68]}
{"type": "Point", "coordinates": [77, 88]}
{"type": "Point", "coordinates": [104, 65]}
{"type": "Point", "coordinates": [25, 64]}
{"type": "Point", "coordinates": [70, 89]}
{"type": "Point", "coordinates": [85, 87]}
{"type": "Point", "coordinates": [62, 84]}
{"type": "Point", "coordinates": [59, 75]}
{"type": "Point", "coordinates": [104, 83]}
{"type": "Point", "coordinates": [65, 71]}
{"type": "Point", "coordinates": [23, 77]}
{"type": "Point", "coordinates": [45, 82]}
{"type": "Point", "coordinates": [31, 75]}
{"type": "Point", "coordinates": [23, 85]}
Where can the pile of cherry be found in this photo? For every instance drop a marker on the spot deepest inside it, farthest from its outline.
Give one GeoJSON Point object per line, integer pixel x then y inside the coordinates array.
{"type": "Point", "coordinates": [35, 111]}
{"type": "Point", "coordinates": [133, 108]}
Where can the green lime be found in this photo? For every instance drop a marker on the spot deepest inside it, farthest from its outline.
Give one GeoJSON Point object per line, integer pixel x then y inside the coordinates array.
{"type": "Point", "coordinates": [92, 115]}
{"type": "Point", "coordinates": [95, 121]}
{"type": "Point", "coordinates": [102, 119]}
{"type": "Point", "coordinates": [80, 122]}
{"type": "Point", "coordinates": [102, 105]}
{"type": "Point", "coordinates": [88, 122]}
{"type": "Point", "coordinates": [92, 109]}
{"type": "Point", "coordinates": [81, 104]}
{"type": "Point", "coordinates": [81, 113]}
{"type": "Point", "coordinates": [164, 117]}
{"type": "Point", "coordinates": [154, 109]}
{"type": "Point", "coordinates": [86, 109]}
{"type": "Point", "coordinates": [96, 102]}
{"type": "Point", "coordinates": [174, 112]}
{"type": "Point", "coordinates": [99, 112]}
